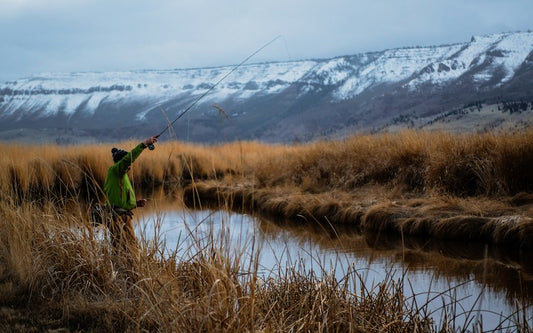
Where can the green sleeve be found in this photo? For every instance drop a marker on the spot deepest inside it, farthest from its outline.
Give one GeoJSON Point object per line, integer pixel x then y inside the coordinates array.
{"type": "Point", "coordinates": [126, 161]}
{"type": "Point", "coordinates": [117, 187]}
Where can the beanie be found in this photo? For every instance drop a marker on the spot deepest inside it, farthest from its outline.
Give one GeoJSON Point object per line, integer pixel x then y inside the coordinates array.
{"type": "Point", "coordinates": [118, 154]}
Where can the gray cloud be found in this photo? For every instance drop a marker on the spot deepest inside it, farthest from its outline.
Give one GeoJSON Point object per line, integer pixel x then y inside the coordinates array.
{"type": "Point", "coordinates": [59, 35]}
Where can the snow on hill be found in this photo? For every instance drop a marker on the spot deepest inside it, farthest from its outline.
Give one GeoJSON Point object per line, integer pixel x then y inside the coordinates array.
{"type": "Point", "coordinates": [486, 61]}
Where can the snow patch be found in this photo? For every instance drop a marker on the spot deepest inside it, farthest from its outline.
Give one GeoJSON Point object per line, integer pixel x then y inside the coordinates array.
{"type": "Point", "coordinates": [350, 76]}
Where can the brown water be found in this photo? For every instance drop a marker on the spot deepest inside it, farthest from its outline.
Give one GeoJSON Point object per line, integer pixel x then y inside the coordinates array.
{"type": "Point", "coordinates": [484, 283]}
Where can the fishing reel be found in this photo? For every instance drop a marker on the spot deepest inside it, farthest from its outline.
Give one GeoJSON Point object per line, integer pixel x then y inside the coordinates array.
{"type": "Point", "coordinates": [151, 146]}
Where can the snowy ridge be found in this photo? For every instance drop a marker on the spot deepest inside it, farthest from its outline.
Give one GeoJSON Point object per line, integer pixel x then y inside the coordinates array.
{"type": "Point", "coordinates": [51, 93]}
{"type": "Point", "coordinates": [485, 57]}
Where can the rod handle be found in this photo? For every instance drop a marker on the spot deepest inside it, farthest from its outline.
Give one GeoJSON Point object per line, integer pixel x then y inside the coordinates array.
{"type": "Point", "coordinates": [151, 146]}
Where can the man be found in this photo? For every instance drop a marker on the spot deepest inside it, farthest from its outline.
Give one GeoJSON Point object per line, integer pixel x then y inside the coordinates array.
{"type": "Point", "coordinates": [121, 198]}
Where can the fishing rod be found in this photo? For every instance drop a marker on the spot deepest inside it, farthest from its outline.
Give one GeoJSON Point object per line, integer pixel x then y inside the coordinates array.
{"type": "Point", "coordinates": [152, 147]}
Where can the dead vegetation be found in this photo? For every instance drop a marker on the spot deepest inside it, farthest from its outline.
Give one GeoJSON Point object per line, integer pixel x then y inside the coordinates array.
{"type": "Point", "coordinates": [416, 183]}
{"type": "Point", "coordinates": [461, 187]}
{"type": "Point", "coordinates": [56, 273]}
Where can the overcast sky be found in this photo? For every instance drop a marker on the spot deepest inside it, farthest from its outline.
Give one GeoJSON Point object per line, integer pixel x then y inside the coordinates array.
{"type": "Point", "coordinates": [111, 35]}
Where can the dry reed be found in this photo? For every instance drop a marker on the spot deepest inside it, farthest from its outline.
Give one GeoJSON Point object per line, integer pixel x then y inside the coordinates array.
{"type": "Point", "coordinates": [357, 181]}
{"type": "Point", "coordinates": [473, 164]}
{"type": "Point", "coordinates": [55, 272]}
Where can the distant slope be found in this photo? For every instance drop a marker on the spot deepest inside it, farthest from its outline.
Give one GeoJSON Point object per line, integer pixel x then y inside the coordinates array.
{"type": "Point", "coordinates": [419, 87]}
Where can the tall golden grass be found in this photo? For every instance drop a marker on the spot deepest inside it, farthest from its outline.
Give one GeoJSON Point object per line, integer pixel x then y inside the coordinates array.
{"type": "Point", "coordinates": [34, 172]}
{"type": "Point", "coordinates": [412, 183]}
{"type": "Point", "coordinates": [464, 165]}
{"type": "Point", "coordinates": [399, 182]}
{"type": "Point", "coordinates": [56, 273]}
{"type": "Point", "coordinates": [469, 164]}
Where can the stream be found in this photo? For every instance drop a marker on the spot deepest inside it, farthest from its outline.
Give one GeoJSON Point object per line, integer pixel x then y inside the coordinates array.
{"type": "Point", "coordinates": [485, 284]}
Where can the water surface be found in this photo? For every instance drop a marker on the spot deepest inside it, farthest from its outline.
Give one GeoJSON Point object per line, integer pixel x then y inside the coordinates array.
{"type": "Point", "coordinates": [482, 281]}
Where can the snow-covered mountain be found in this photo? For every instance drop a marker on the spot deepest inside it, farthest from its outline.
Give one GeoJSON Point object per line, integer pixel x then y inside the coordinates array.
{"type": "Point", "coordinates": [280, 101]}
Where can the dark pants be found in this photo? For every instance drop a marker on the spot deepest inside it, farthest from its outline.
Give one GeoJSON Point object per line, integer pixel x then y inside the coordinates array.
{"type": "Point", "coordinates": [123, 241]}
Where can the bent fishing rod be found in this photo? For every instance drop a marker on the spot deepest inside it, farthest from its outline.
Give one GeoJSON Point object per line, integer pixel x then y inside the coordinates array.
{"type": "Point", "coordinates": [152, 147]}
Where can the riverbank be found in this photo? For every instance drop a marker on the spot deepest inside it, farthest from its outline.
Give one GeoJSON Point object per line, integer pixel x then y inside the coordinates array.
{"type": "Point", "coordinates": [506, 221]}
{"type": "Point", "coordinates": [56, 274]}
{"type": "Point", "coordinates": [463, 187]}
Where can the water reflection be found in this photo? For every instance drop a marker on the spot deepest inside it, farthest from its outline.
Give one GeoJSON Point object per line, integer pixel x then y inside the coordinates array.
{"type": "Point", "coordinates": [481, 277]}
{"type": "Point", "coordinates": [503, 270]}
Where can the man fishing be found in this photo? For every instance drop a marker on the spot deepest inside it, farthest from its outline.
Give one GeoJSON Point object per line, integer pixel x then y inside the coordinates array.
{"type": "Point", "coordinates": [118, 189]}
{"type": "Point", "coordinates": [120, 197]}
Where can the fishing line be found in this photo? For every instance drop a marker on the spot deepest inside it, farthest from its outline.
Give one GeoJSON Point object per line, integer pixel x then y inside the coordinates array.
{"type": "Point", "coordinates": [287, 48]}
{"type": "Point", "coordinates": [213, 87]}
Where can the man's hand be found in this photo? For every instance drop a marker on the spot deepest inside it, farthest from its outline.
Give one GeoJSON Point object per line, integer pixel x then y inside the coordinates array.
{"type": "Point", "coordinates": [151, 140]}
{"type": "Point", "coordinates": [141, 202]}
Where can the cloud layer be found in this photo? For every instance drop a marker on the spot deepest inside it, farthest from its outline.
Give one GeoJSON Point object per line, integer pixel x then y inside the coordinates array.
{"type": "Point", "coordinates": [98, 35]}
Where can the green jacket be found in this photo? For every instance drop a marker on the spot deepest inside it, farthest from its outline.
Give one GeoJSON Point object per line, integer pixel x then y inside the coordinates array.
{"type": "Point", "coordinates": [117, 186]}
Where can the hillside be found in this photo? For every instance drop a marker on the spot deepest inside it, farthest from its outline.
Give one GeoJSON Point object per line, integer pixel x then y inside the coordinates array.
{"type": "Point", "coordinates": [482, 84]}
